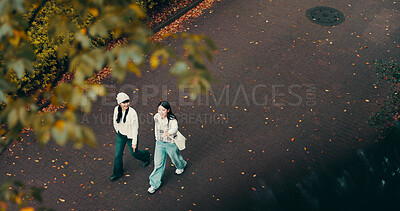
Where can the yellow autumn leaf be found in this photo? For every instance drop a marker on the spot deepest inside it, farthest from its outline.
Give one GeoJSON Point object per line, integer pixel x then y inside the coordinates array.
{"type": "Point", "coordinates": [136, 8]}
{"type": "Point", "coordinates": [28, 209]}
{"type": "Point", "coordinates": [3, 205]}
{"type": "Point", "coordinates": [154, 61]}
{"type": "Point", "coordinates": [18, 200]}
{"type": "Point", "coordinates": [15, 39]}
{"type": "Point", "coordinates": [134, 69]}
{"type": "Point", "coordinates": [60, 124]}
{"type": "Point", "coordinates": [94, 12]}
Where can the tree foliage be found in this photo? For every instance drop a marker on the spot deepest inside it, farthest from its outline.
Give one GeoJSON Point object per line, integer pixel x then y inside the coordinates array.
{"type": "Point", "coordinates": [19, 194]}
{"type": "Point", "coordinates": [42, 40]}
{"type": "Point", "coordinates": [48, 67]}
{"type": "Point", "coordinates": [389, 72]}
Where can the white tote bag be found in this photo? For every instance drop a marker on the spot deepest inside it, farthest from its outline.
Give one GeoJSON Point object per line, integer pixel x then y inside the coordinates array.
{"type": "Point", "coordinates": [180, 140]}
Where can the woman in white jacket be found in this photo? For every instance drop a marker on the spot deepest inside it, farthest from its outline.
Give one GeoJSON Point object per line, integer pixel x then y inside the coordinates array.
{"type": "Point", "coordinates": [166, 128]}
{"type": "Point", "coordinates": [126, 126]}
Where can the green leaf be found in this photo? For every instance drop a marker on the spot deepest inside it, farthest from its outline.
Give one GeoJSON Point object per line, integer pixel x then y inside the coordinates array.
{"type": "Point", "coordinates": [95, 90]}
{"type": "Point", "coordinates": [2, 97]}
{"type": "Point", "coordinates": [211, 44]}
{"type": "Point", "coordinates": [18, 67]}
{"type": "Point", "coordinates": [22, 114]}
{"type": "Point", "coordinates": [28, 65]}
{"type": "Point", "coordinates": [4, 84]}
{"type": "Point", "coordinates": [19, 184]}
{"type": "Point", "coordinates": [89, 137]}
{"type": "Point", "coordinates": [63, 50]}
{"type": "Point", "coordinates": [208, 55]}
{"type": "Point", "coordinates": [86, 104]}
{"type": "Point", "coordinates": [37, 194]}
{"type": "Point", "coordinates": [136, 55]}
{"type": "Point", "coordinates": [79, 77]}
{"type": "Point", "coordinates": [123, 57]}
{"type": "Point", "coordinates": [83, 39]}
{"type": "Point", "coordinates": [137, 10]}
{"type": "Point", "coordinates": [26, 52]}
{"type": "Point", "coordinates": [117, 72]}
{"type": "Point", "coordinates": [76, 97]}
{"type": "Point", "coordinates": [18, 5]}
{"type": "Point", "coordinates": [90, 63]}
{"type": "Point", "coordinates": [44, 136]}
{"type": "Point", "coordinates": [3, 7]}
{"type": "Point", "coordinates": [12, 118]}
{"type": "Point", "coordinates": [5, 30]}
{"type": "Point", "coordinates": [60, 135]}
{"type": "Point", "coordinates": [4, 192]}
{"type": "Point", "coordinates": [98, 29]}
{"type": "Point", "coordinates": [99, 58]}
{"type": "Point", "coordinates": [179, 68]}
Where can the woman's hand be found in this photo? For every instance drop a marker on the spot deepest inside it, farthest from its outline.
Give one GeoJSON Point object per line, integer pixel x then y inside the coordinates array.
{"type": "Point", "coordinates": [166, 134]}
{"type": "Point", "coordinates": [134, 148]}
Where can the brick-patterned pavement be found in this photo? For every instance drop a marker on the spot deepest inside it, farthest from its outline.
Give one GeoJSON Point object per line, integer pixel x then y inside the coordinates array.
{"type": "Point", "coordinates": [321, 79]}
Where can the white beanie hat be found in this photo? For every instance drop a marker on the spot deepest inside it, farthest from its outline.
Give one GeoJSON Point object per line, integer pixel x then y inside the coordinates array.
{"type": "Point", "coordinates": [121, 97]}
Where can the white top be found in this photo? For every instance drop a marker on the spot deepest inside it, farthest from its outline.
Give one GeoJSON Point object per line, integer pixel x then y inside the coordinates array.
{"type": "Point", "coordinates": [161, 125]}
{"type": "Point", "coordinates": [130, 127]}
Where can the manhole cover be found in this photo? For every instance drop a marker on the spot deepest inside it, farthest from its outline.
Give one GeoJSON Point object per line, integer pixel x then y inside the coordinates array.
{"type": "Point", "coordinates": [325, 16]}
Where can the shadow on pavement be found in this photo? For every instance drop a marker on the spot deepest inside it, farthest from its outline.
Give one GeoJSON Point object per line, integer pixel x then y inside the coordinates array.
{"type": "Point", "coordinates": [370, 180]}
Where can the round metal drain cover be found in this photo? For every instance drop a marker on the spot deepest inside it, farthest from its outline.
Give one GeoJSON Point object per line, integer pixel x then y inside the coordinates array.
{"type": "Point", "coordinates": [325, 16]}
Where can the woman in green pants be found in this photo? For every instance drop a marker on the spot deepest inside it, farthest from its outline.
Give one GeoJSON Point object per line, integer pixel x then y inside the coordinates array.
{"type": "Point", "coordinates": [126, 126]}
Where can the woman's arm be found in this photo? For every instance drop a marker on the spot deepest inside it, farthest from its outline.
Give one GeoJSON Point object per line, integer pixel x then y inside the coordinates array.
{"type": "Point", "coordinates": [115, 119]}
{"type": "Point", "coordinates": [156, 127]}
{"type": "Point", "coordinates": [173, 127]}
{"type": "Point", "coordinates": [134, 127]}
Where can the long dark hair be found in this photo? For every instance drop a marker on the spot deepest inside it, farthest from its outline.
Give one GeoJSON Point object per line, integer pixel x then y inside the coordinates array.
{"type": "Point", "coordinates": [119, 116]}
{"type": "Point", "coordinates": [167, 106]}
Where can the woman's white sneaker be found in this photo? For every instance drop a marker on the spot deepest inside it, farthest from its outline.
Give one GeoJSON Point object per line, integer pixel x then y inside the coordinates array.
{"type": "Point", "coordinates": [151, 189]}
{"type": "Point", "coordinates": [179, 171]}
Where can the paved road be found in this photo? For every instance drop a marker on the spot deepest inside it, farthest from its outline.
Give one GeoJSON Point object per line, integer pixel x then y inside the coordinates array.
{"type": "Point", "coordinates": [291, 97]}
